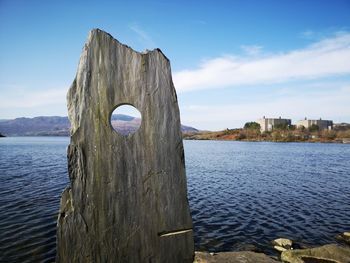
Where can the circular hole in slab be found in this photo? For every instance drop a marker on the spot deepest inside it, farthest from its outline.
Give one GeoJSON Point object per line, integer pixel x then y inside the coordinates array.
{"type": "Point", "coordinates": [126, 119]}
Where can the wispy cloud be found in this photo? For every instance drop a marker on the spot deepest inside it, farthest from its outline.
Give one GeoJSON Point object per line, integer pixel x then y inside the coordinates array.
{"type": "Point", "coordinates": [327, 57]}
{"type": "Point", "coordinates": [143, 36]}
{"type": "Point", "coordinates": [251, 50]}
{"type": "Point", "coordinates": [307, 34]}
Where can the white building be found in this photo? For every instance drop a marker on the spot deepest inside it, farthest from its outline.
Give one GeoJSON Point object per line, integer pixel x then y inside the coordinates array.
{"type": "Point", "coordinates": [268, 124]}
{"type": "Point", "coordinates": [322, 124]}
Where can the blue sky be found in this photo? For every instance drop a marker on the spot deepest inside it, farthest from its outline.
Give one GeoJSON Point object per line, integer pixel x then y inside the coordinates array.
{"type": "Point", "coordinates": [232, 61]}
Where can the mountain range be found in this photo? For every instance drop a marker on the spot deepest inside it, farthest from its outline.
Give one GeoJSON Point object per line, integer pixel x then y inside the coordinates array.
{"type": "Point", "coordinates": [60, 126]}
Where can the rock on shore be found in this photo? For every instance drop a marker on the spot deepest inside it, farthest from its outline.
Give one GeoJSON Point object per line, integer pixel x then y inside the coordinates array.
{"type": "Point", "coordinates": [327, 254]}
{"type": "Point", "coordinates": [282, 244]}
{"type": "Point", "coordinates": [233, 257]}
{"type": "Point", "coordinates": [344, 238]}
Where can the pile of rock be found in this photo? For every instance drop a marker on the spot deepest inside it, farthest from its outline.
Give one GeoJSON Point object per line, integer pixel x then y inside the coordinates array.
{"type": "Point", "coordinates": [332, 253]}
{"type": "Point", "coordinates": [233, 257]}
{"type": "Point", "coordinates": [291, 252]}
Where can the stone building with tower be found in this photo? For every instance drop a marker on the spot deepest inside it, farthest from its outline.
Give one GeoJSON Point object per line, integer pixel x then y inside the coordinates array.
{"type": "Point", "coordinates": [268, 124]}
{"type": "Point", "coordinates": [322, 124]}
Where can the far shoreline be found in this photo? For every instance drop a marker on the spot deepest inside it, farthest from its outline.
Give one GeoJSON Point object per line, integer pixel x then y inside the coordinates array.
{"type": "Point", "coordinates": [223, 140]}
{"type": "Point", "coordinates": [277, 135]}
{"type": "Point", "coordinates": [194, 137]}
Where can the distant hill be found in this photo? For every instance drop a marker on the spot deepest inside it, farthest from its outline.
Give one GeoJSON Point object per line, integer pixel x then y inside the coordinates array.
{"type": "Point", "coordinates": [187, 129]}
{"type": "Point", "coordinates": [59, 126]}
{"type": "Point", "coordinates": [37, 126]}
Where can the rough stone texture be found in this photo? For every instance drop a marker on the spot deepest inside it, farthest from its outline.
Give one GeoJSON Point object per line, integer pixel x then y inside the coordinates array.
{"type": "Point", "coordinates": [233, 257]}
{"type": "Point", "coordinates": [283, 242]}
{"type": "Point", "coordinates": [325, 254]}
{"type": "Point", "coordinates": [279, 249]}
{"type": "Point", "coordinates": [127, 195]}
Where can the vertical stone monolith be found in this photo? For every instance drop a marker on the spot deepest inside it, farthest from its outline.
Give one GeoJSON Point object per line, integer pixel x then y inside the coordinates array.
{"type": "Point", "coordinates": [127, 199]}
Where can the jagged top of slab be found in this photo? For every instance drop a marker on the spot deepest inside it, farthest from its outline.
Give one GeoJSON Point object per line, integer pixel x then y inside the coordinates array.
{"type": "Point", "coordinates": [98, 32]}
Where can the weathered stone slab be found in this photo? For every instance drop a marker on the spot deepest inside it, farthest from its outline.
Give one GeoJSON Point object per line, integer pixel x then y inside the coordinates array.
{"type": "Point", "coordinates": [127, 200]}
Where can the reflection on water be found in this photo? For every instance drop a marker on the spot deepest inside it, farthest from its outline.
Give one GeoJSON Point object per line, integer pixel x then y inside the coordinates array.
{"type": "Point", "coordinates": [240, 193]}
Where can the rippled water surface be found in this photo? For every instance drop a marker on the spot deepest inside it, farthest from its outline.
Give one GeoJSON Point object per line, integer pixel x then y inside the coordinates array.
{"type": "Point", "coordinates": [240, 193]}
{"type": "Point", "coordinates": [253, 192]}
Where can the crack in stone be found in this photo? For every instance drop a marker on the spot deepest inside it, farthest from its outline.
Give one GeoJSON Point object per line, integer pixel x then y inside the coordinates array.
{"type": "Point", "coordinates": [174, 232]}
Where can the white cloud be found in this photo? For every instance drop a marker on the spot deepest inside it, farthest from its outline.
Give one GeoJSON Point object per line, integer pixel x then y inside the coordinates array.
{"type": "Point", "coordinates": [331, 104]}
{"type": "Point", "coordinates": [144, 37]}
{"type": "Point", "coordinates": [327, 57]}
{"type": "Point", "coordinates": [22, 98]}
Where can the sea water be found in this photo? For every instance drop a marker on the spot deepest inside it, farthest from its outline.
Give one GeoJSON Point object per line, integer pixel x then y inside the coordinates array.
{"type": "Point", "coordinates": [241, 194]}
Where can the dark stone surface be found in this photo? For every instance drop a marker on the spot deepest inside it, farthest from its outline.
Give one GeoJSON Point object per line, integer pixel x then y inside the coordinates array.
{"type": "Point", "coordinates": [344, 238]}
{"type": "Point", "coordinates": [127, 201]}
